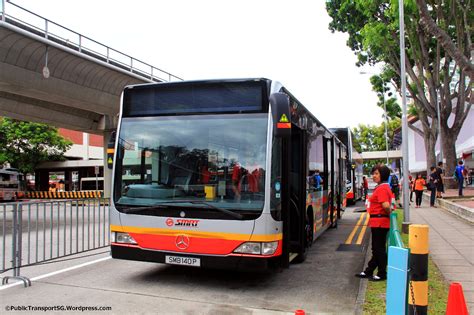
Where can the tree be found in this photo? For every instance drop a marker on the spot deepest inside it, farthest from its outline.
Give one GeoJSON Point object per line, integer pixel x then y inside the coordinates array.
{"type": "Point", "coordinates": [372, 138]}
{"type": "Point", "coordinates": [461, 53]}
{"type": "Point", "coordinates": [433, 75]}
{"type": "Point", "coordinates": [25, 144]}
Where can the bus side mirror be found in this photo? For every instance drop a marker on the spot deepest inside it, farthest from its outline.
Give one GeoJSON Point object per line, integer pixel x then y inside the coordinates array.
{"type": "Point", "coordinates": [110, 150]}
{"type": "Point", "coordinates": [280, 105]}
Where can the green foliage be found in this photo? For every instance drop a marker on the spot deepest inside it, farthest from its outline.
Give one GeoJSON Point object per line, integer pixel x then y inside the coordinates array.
{"type": "Point", "coordinates": [25, 144]}
{"type": "Point", "coordinates": [373, 30]}
{"type": "Point", "coordinates": [372, 138]}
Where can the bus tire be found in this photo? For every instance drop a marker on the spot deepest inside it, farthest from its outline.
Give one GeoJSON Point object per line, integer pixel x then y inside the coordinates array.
{"type": "Point", "coordinates": [308, 241]}
{"type": "Point", "coordinates": [334, 221]}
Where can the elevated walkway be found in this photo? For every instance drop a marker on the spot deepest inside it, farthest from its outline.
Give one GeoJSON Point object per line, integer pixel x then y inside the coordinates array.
{"type": "Point", "coordinates": [51, 74]}
{"type": "Point", "coordinates": [381, 155]}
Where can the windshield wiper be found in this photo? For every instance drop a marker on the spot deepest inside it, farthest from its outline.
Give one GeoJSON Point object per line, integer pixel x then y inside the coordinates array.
{"type": "Point", "coordinates": [210, 206]}
{"type": "Point", "coordinates": [229, 212]}
{"type": "Point", "coordinates": [178, 203]}
{"type": "Point", "coordinates": [144, 208]}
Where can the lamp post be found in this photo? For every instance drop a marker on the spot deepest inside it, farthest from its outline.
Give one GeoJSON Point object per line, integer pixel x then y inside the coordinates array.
{"type": "Point", "coordinates": [384, 109]}
{"type": "Point", "coordinates": [406, 199]}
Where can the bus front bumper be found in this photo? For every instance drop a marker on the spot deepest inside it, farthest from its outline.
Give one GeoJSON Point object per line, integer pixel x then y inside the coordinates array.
{"type": "Point", "coordinates": [237, 262]}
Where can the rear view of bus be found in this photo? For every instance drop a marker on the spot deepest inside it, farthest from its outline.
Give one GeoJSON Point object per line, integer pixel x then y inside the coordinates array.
{"type": "Point", "coordinates": [219, 174]}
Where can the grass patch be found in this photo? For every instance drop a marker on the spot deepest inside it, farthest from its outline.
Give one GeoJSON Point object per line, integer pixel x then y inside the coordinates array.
{"type": "Point", "coordinates": [375, 298]}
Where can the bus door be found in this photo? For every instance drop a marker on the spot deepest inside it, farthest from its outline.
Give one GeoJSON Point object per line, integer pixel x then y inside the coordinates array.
{"type": "Point", "coordinates": [334, 183]}
{"type": "Point", "coordinates": [298, 220]}
{"type": "Point", "coordinates": [327, 183]}
{"type": "Point", "coordinates": [339, 181]}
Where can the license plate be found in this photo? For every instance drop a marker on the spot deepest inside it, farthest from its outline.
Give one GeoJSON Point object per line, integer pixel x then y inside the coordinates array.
{"type": "Point", "coordinates": [183, 261]}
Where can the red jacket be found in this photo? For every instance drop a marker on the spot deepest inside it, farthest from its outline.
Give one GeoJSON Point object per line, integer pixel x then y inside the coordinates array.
{"type": "Point", "coordinates": [379, 218]}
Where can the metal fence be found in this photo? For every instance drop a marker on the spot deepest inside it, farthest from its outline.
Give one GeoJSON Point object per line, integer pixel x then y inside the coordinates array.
{"type": "Point", "coordinates": [36, 232]}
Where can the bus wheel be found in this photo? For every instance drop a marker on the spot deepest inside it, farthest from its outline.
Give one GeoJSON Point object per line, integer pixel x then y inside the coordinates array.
{"type": "Point", "coordinates": [308, 241]}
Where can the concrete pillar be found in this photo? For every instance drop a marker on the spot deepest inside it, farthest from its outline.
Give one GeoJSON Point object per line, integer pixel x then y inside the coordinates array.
{"type": "Point", "coordinates": [67, 180]}
{"type": "Point", "coordinates": [107, 124]}
{"type": "Point", "coordinates": [42, 180]}
{"type": "Point", "coordinates": [85, 141]}
{"type": "Point", "coordinates": [107, 170]}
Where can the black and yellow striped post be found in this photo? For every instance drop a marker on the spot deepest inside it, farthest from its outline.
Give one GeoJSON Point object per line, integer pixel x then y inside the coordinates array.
{"type": "Point", "coordinates": [418, 286]}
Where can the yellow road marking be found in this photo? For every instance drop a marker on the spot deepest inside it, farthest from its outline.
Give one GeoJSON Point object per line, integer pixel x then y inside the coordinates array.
{"type": "Point", "coordinates": [354, 230]}
{"type": "Point", "coordinates": [362, 232]}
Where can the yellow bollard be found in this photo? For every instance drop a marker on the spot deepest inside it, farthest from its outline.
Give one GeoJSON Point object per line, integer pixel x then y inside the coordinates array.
{"type": "Point", "coordinates": [418, 286]}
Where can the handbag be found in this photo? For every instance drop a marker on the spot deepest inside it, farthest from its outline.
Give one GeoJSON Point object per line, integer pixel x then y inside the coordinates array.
{"type": "Point", "coordinates": [430, 186]}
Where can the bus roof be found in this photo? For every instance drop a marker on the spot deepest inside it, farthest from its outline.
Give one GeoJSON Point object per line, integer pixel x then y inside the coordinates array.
{"type": "Point", "coordinates": [184, 82]}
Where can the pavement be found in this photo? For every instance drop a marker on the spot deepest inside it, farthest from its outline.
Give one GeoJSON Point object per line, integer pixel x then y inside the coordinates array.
{"type": "Point", "coordinates": [451, 243]}
{"type": "Point", "coordinates": [323, 284]}
{"type": "Point", "coordinates": [467, 200]}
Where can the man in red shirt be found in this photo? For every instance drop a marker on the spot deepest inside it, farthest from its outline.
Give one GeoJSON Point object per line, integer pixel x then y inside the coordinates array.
{"type": "Point", "coordinates": [379, 207]}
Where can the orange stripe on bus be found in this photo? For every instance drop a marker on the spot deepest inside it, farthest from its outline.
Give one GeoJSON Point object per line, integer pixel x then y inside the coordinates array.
{"type": "Point", "coordinates": [284, 125]}
{"type": "Point", "coordinates": [197, 245]}
{"type": "Point", "coordinates": [202, 234]}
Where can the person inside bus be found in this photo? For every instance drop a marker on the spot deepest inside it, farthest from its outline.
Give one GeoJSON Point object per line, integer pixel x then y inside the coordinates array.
{"type": "Point", "coordinates": [246, 179]}
{"type": "Point", "coordinates": [317, 180]}
{"type": "Point", "coordinates": [379, 208]}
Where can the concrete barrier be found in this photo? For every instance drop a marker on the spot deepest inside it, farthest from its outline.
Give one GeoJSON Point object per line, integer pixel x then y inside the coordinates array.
{"type": "Point", "coordinates": [450, 205]}
{"type": "Point", "coordinates": [64, 194]}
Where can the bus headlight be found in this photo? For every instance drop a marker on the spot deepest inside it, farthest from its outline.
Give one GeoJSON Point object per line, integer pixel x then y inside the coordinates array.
{"type": "Point", "coordinates": [119, 237]}
{"type": "Point", "coordinates": [255, 248]}
{"type": "Point", "coordinates": [249, 248]}
{"type": "Point", "coordinates": [269, 248]}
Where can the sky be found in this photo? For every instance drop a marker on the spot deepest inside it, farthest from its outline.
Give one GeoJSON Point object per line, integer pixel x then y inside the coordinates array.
{"type": "Point", "coordinates": [287, 41]}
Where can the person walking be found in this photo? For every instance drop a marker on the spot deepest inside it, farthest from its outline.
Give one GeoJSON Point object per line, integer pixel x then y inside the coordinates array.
{"type": "Point", "coordinates": [432, 185]}
{"type": "Point", "coordinates": [460, 176]}
{"type": "Point", "coordinates": [440, 185]}
{"type": "Point", "coordinates": [365, 187]}
{"type": "Point", "coordinates": [395, 187]}
{"type": "Point", "coordinates": [412, 187]}
{"type": "Point", "coordinates": [419, 185]}
{"type": "Point", "coordinates": [379, 207]}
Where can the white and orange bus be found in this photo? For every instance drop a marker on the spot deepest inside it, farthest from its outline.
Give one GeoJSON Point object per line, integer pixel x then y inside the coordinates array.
{"type": "Point", "coordinates": [224, 175]}
{"type": "Point", "coordinates": [354, 166]}
{"type": "Point", "coordinates": [12, 184]}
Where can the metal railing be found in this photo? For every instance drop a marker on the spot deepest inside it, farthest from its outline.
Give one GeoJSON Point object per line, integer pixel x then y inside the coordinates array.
{"type": "Point", "coordinates": [36, 232]}
{"type": "Point", "coordinates": [394, 236]}
{"type": "Point", "coordinates": [397, 270]}
{"type": "Point", "coordinates": [17, 16]}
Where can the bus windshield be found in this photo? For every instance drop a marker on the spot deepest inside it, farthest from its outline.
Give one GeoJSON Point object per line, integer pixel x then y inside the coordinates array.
{"type": "Point", "coordinates": [199, 162]}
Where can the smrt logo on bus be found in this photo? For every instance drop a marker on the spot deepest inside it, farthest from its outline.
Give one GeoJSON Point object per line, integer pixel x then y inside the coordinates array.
{"type": "Point", "coordinates": [182, 222]}
{"type": "Point", "coordinates": [186, 222]}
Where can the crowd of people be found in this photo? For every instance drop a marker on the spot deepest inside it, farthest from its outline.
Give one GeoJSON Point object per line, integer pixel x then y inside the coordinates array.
{"type": "Point", "coordinates": [435, 182]}
{"type": "Point", "coordinates": [380, 204]}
